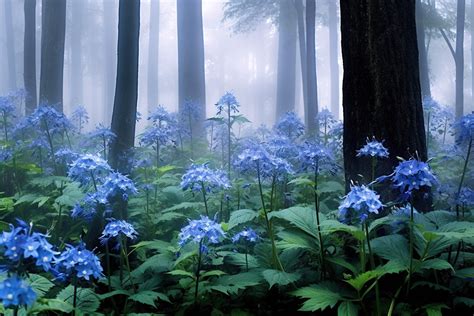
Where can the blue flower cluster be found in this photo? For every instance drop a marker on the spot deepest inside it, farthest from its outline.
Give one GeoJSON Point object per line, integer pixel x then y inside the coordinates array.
{"type": "Point", "coordinates": [358, 204]}
{"type": "Point", "coordinates": [199, 177]}
{"type": "Point", "coordinates": [16, 292]}
{"type": "Point", "coordinates": [315, 156]}
{"type": "Point", "coordinates": [154, 135]}
{"type": "Point", "coordinates": [247, 235]}
{"type": "Point", "coordinates": [88, 169]}
{"type": "Point", "coordinates": [228, 102]}
{"type": "Point", "coordinates": [49, 119]}
{"type": "Point", "coordinates": [464, 128]}
{"type": "Point", "coordinates": [103, 133]}
{"type": "Point", "coordinates": [373, 148]}
{"type": "Point", "coordinates": [202, 231]}
{"type": "Point", "coordinates": [290, 125]}
{"type": "Point", "coordinates": [159, 115]}
{"type": "Point", "coordinates": [116, 184]}
{"type": "Point", "coordinates": [116, 228]}
{"type": "Point", "coordinates": [19, 245]}
{"type": "Point", "coordinates": [5, 154]}
{"type": "Point", "coordinates": [6, 106]}
{"type": "Point", "coordinates": [466, 197]}
{"type": "Point", "coordinates": [411, 175]}
{"type": "Point", "coordinates": [78, 262]}
{"type": "Point", "coordinates": [80, 117]}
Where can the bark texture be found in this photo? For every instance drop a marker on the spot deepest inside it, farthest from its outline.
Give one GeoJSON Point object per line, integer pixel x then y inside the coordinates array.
{"type": "Point", "coordinates": [312, 106]}
{"type": "Point", "coordinates": [11, 54]}
{"type": "Point", "coordinates": [334, 56]}
{"type": "Point", "coordinates": [460, 22]}
{"type": "Point", "coordinates": [29, 56]}
{"type": "Point", "coordinates": [153, 53]}
{"type": "Point", "coordinates": [422, 53]}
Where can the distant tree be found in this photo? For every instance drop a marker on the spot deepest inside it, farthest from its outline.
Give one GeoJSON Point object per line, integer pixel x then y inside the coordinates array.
{"type": "Point", "coordinates": [53, 28]}
{"type": "Point", "coordinates": [153, 53]}
{"type": "Point", "coordinates": [422, 52]}
{"type": "Point", "coordinates": [126, 88]}
{"type": "Point", "coordinates": [299, 6]}
{"type": "Point", "coordinates": [109, 32]}
{"type": "Point", "coordinates": [76, 30]}
{"type": "Point", "coordinates": [334, 56]}
{"type": "Point", "coordinates": [192, 86]}
{"type": "Point", "coordinates": [10, 44]}
{"type": "Point", "coordinates": [381, 86]}
{"type": "Point", "coordinates": [311, 109]}
{"type": "Point", "coordinates": [29, 56]}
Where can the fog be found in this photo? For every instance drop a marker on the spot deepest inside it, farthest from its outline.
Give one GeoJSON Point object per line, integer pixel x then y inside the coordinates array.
{"type": "Point", "coordinates": [244, 63]}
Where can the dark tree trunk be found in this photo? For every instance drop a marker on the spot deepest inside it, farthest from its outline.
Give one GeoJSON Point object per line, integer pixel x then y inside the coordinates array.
{"type": "Point", "coordinates": [153, 53]}
{"type": "Point", "coordinates": [10, 44]}
{"type": "Point", "coordinates": [334, 56]}
{"type": "Point", "coordinates": [302, 42]}
{"type": "Point", "coordinates": [381, 86]}
{"type": "Point", "coordinates": [76, 68]}
{"type": "Point", "coordinates": [312, 107]}
{"type": "Point", "coordinates": [472, 53]}
{"type": "Point", "coordinates": [53, 23]}
{"type": "Point", "coordinates": [126, 87]}
{"type": "Point", "coordinates": [110, 56]}
{"type": "Point", "coordinates": [29, 56]}
{"type": "Point", "coordinates": [460, 21]}
{"type": "Point", "coordinates": [286, 73]}
{"type": "Point", "coordinates": [192, 86]}
{"type": "Point", "coordinates": [422, 53]}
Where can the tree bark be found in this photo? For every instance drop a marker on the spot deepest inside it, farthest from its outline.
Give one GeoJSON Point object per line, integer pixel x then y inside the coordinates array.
{"type": "Point", "coordinates": [153, 53]}
{"type": "Point", "coordinates": [422, 53]}
{"type": "Point", "coordinates": [302, 45]}
{"type": "Point", "coordinates": [472, 53]}
{"type": "Point", "coordinates": [29, 56]}
{"type": "Point", "coordinates": [381, 86]}
{"type": "Point", "coordinates": [460, 22]}
{"type": "Point", "coordinates": [10, 44]}
{"type": "Point", "coordinates": [312, 106]}
{"type": "Point", "coordinates": [192, 86]}
{"type": "Point", "coordinates": [334, 56]}
{"type": "Point", "coordinates": [110, 27]}
{"type": "Point", "coordinates": [75, 38]}
{"type": "Point", "coordinates": [286, 72]}
{"type": "Point", "coordinates": [126, 87]}
{"type": "Point", "coordinates": [53, 25]}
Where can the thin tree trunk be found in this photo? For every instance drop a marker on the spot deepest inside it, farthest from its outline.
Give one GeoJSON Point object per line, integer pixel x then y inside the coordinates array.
{"type": "Point", "coordinates": [460, 22]}
{"type": "Point", "coordinates": [126, 87]}
{"type": "Point", "coordinates": [286, 73]}
{"type": "Point", "coordinates": [75, 44]}
{"type": "Point", "coordinates": [53, 23]}
{"type": "Point", "coordinates": [302, 48]}
{"type": "Point", "coordinates": [10, 44]}
{"type": "Point", "coordinates": [422, 53]}
{"type": "Point", "coordinates": [110, 56]}
{"type": "Point", "coordinates": [312, 108]}
{"type": "Point", "coordinates": [153, 53]}
{"type": "Point", "coordinates": [381, 86]}
{"type": "Point", "coordinates": [334, 56]}
{"type": "Point", "coordinates": [29, 56]}
{"type": "Point", "coordinates": [192, 86]}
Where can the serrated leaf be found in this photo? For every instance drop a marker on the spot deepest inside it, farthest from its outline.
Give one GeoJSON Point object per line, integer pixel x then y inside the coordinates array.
{"type": "Point", "coordinates": [241, 216]}
{"type": "Point", "coordinates": [359, 281]}
{"type": "Point", "coordinates": [347, 308]}
{"type": "Point", "coordinates": [318, 297]}
{"type": "Point", "coordinates": [51, 305]}
{"type": "Point", "coordinates": [87, 300]}
{"type": "Point", "coordinates": [279, 277]}
{"type": "Point", "coordinates": [302, 181]}
{"type": "Point", "coordinates": [331, 226]}
{"type": "Point", "coordinates": [391, 247]}
{"type": "Point", "coordinates": [330, 187]}
{"type": "Point", "coordinates": [212, 273]}
{"type": "Point", "coordinates": [436, 264]}
{"type": "Point", "coordinates": [145, 297]}
{"type": "Point", "coordinates": [303, 218]}
{"type": "Point", "coordinates": [40, 284]}
{"type": "Point", "coordinates": [181, 273]}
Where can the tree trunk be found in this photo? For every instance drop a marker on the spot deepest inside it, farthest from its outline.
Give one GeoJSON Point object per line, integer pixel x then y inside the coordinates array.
{"type": "Point", "coordinates": [422, 53]}
{"type": "Point", "coordinates": [302, 42]}
{"type": "Point", "coordinates": [110, 56]}
{"type": "Point", "coordinates": [381, 86]}
{"type": "Point", "coordinates": [192, 86]}
{"type": "Point", "coordinates": [472, 53]}
{"type": "Point", "coordinates": [460, 21]}
{"type": "Point", "coordinates": [10, 44]}
{"type": "Point", "coordinates": [29, 56]}
{"type": "Point", "coordinates": [153, 53]}
{"type": "Point", "coordinates": [312, 106]}
{"type": "Point", "coordinates": [334, 56]}
{"type": "Point", "coordinates": [76, 68]}
{"type": "Point", "coordinates": [286, 73]}
{"type": "Point", "coordinates": [126, 87]}
{"type": "Point", "coordinates": [53, 23]}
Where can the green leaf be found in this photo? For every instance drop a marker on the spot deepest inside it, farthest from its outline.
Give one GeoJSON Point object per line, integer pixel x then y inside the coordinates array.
{"type": "Point", "coordinates": [231, 284]}
{"type": "Point", "coordinates": [49, 305]}
{"type": "Point", "coordinates": [318, 297]}
{"type": "Point", "coordinates": [241, 216]}
{"type": "Point", "coordinates": [87, 300]}
{"type": "Point", "coordinates": [347, 308]}
{"type": "Point", "coordinates": [185, 206]}
{"type": "Point", "coordinates": [302, 181]}
{"type": "Point", "coordinates": [391, 247]}
{"type": "Point", "coordinates": [181, 273]}
{"type": "Point", "coordinates": [467, 273]}
{"type": "Point", "coordinates": [359, 281]}
{"type": "Point", "coordinates": [331, 226]}
{"type": "Point", "coordinates": [436, 264]}
{"type": "Point", "coordinates": [169, 216]}
{"type": "Point", "coordinates": [113, 293]}
{"type": "Point", "coordinates": [469, 302]}
{"type": "Point", "coordinates": [279, 277]}
{"type": "Point", "coordinates": [303, 218]}
{"type": "Point", "coordinates": [40, 284]}
{"type": "Point", "coordinates": [342, 262]}
{"type": "Point", "coordinates": [330, 187]}
{"type": "Point", "coordinates": [297, 240]}
{"type": "Point", "coordinates": [435, 309]}
{"type": "Point", "coordinates": [145, 297]}
{"type": "Point", "coordinates": [212, 273]}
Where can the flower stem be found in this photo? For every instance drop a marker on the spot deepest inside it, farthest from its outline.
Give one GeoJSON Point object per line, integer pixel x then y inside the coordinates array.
{"type": "Point", "coordinates": [318, 222]}
{"type": "Point", "coordinates": [464, 169]}
{"type": "Point", "coordinates": [203, 190]}
{"type": "Point", "coordinates": [198, 269]}
{"type": "Point", "coordinates": [412, 227]}
{"type": "Point", "coordinates": [372, 267]}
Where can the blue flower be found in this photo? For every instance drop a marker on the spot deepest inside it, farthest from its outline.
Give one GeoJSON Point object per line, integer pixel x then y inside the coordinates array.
{"type": "Point", "coordinates": [88, 168]}
{"type": "Point", "coordinates": [466, 197]}
{"type": "Point", "coordinates": [373, 149]}
{"type": "Point", "coordinates": [290, 125]}
{"type": "Point", "coordinates": [199, 177]}
{"type": "Point", "coordinates": [315, 157]}
{"type": "Point", "coordinates": [79, 262]}
{"type": "Point", "coordinates": [6, 106]}
{"type": "Point", "coordinates": [66, 155]}
{"type": "Point", "coordinates": [50, 120]}
{"type": "Point", "coordinates": [5, 154]}
{"type": "Point", "coordinates": [202, 231]}
{"type": "Point", "coordinates": [103, 133]}
{"type": "Point", "coordinates": [411, 175]}
{"type": "Point", "coordinates": [358, 204]}
{"type": "Point", "coordinates": [228, 102]}
{"type": "Point", "coordinates": [14, 292]}
{"type": "Point", "coordinates": [464, 128]}
{"type": "Point", "coordinates": [80, 116]}
{"type": "Point", "coordinates": [154, 135]}
{"type": "Point", "coordinates": [116, 228]}
{"type": "Point", "coordinates": [247, 235]}
{"type": "Point", "coordinates": [159, 115]}
{"type": "Point", "coordinates": [116, 184]}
